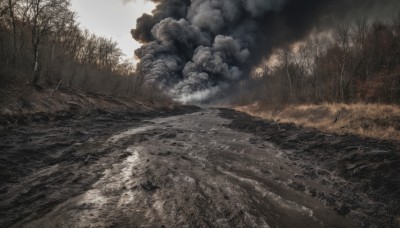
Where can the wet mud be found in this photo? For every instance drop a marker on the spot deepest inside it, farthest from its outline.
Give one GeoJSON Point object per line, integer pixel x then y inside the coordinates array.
{"type": "Point", "coordinates": [362, 173]}
{"type": "Point", "coordinates": [193, 168]}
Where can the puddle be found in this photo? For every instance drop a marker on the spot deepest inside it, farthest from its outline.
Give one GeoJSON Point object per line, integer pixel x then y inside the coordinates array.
{"type": "Point", "coordinates": [129, 132]}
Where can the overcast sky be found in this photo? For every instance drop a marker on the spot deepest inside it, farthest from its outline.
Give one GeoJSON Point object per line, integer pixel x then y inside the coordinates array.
{"type": "Point", "coordinates": [112, 19]}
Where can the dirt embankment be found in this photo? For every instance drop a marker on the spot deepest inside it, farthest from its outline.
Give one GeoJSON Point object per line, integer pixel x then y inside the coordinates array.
{"type": "Point", "coordinates": [28, 104]}
{"type": "Point", "coordinates": [366, 120]}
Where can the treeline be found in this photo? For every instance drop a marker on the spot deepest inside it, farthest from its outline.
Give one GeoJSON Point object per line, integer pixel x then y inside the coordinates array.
{"type": "Point", "coordinates": [42, 43]}
{"type": "Point", "coordinates": [354, 62]}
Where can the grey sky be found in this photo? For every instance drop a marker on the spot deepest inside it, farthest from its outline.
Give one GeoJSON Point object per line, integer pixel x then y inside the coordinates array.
{"type": "Point", "coordinates": [112, 19]}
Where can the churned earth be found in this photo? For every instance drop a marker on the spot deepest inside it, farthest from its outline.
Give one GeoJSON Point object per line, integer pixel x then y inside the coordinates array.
{"type": "Point", "coordinates": [195, 168]}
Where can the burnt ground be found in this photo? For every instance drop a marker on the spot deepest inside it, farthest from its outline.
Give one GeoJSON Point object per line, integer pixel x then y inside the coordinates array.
{"type": "Point", "coordinates": [195, 168]}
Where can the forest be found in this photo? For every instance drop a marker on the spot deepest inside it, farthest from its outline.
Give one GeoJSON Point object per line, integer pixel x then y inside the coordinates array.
{"type": "Point", "coordinates": [354, 62]}
{"type": "Point", "coordinates": [42, 44]}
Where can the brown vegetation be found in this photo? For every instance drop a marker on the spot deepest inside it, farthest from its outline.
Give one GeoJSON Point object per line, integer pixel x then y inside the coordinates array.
{"type": "Point", "coordinates": [345, 80]}
{"type": "Point", "coordinates": [367, 120]}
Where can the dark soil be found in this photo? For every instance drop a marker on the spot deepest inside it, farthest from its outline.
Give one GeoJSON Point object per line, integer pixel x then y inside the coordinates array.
{"type": "Point", "coordinates": [191, 167]}
{"type": "Point", "coordinates": [370, 167]}
{"type": "Point", "coordinates": [43, 142]}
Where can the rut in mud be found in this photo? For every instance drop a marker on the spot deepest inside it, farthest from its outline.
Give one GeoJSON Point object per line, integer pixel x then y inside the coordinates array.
{"type": "Point", "coordinates": [212, 168]}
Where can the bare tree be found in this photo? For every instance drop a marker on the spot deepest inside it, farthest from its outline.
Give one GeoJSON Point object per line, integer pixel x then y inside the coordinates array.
{"type": "Point", "coordinates": [17, 16]}
{"type": "Point", "coordinates": [343, 35]}
{"type": "Point", "coordinates": [285, 57]}
{"type": "Point", "coordinates": [43, 15]}
{"type": "Point", "coordinates": [11, 5]}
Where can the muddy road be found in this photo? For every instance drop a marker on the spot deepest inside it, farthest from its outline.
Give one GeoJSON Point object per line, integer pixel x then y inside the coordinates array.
{"type": "Point", "coordinates": [204, 168]}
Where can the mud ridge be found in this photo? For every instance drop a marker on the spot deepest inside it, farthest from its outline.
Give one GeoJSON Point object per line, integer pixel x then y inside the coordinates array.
{"type": "Point", "coordinates": [371, 193]}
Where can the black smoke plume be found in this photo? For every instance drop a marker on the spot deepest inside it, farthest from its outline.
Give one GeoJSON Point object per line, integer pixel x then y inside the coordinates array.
{"type": "Point", "coordinates": [195, 49]}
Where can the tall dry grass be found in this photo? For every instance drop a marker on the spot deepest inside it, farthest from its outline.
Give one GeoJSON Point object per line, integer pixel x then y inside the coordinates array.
{"type": "Point", "coordinates": [367, 120]}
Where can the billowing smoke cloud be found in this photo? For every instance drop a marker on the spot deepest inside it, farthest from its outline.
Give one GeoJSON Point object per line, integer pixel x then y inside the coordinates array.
{"type": "Point", "coordinates": [195, 49]}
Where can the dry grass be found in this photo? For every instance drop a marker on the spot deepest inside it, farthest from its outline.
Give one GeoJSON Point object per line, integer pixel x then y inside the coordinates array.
{"type": "Point", "coordinates": [367, 120]}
